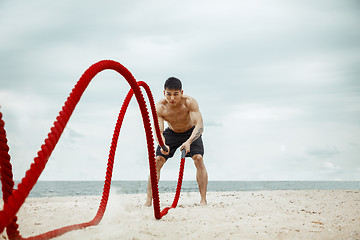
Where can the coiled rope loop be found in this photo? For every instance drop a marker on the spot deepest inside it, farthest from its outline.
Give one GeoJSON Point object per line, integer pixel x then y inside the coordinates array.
{"type": "Point", "coordinates": [14, 198]}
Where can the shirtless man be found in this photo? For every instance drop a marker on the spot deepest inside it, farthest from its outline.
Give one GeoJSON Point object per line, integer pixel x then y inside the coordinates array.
{"type": "Point", "coordinates": [185, 123]}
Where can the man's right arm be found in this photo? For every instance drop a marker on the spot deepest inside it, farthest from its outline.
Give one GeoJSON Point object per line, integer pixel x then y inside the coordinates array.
{"type": "Point", "coordinates": [161, 127]}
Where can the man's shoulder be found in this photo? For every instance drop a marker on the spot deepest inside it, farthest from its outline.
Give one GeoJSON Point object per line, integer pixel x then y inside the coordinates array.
{"type": "Point", "coordinates": [160, 105]}
{"type": "Point", "coordinates": [161, 102]}
{"type": "Point", "coordinates": [190, 102]}
{"type": "Point", "coordinates": [188, 99]}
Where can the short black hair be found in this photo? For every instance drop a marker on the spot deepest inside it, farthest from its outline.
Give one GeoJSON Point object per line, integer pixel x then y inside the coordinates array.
{"type": "Point", "coordinates": [173, 83]}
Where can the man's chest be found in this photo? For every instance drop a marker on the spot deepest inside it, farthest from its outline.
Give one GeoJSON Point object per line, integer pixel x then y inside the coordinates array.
{"type": "Point", "coordinates": [178, 115]}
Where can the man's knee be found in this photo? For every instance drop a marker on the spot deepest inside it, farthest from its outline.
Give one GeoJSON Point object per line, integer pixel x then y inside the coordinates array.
{"type": "Point", "coordinates": [160, 162]}
{"type": "Point", "coordinates": [198, 160]}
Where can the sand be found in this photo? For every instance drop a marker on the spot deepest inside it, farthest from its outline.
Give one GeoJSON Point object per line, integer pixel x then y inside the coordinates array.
{"type": "Point", "coordinates": [315, 214]}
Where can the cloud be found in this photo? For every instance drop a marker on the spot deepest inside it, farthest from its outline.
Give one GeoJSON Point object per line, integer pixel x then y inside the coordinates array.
{"type": "Point", "coordinates": [330, 165]}
{"type": "Point", "coordinates": [271, 79]}
{"type": "Point", "coordinates": [257, 112]}
{"type": "Point", "coordinates": [75, 134]}
{"type": "Point", "coordinates": [323, 152]}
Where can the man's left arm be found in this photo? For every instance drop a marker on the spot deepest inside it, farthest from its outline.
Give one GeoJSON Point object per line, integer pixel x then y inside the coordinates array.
{"type": "Point", "coordinates": [199, 126]}
{"type": "Point", "coordinates": [196, 116]}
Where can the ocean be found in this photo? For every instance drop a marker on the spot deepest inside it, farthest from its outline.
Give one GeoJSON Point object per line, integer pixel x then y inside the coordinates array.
{"type": "Point", "coordinates": [81, 188]}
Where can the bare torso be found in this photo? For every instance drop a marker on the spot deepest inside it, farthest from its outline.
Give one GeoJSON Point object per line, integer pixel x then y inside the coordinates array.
{"type": "Point", "coordinates": [179, 117]}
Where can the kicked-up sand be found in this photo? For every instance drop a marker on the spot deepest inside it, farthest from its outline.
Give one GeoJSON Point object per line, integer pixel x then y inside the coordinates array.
{"type": "Point", "coordinates": [299, 214]}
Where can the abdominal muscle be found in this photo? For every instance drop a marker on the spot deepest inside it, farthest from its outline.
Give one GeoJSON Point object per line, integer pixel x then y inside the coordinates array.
{"type": "Point", "coordinates": [182, 128]}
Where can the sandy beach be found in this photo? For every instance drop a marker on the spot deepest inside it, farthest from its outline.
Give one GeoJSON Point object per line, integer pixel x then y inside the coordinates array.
{"type": "Point", "coordinates": [300, 214]}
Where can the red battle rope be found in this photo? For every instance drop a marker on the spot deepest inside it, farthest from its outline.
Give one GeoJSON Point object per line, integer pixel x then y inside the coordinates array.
{"type": "Point", "coordinates": [14, 198]}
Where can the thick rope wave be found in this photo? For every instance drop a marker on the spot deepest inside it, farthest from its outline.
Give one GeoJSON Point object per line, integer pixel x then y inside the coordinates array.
{"type": "Point", "coordinates": [14, 198]}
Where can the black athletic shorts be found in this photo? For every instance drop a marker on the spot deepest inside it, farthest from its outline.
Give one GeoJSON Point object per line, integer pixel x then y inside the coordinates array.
{"type": "Point", "coordinates": [175, 140]}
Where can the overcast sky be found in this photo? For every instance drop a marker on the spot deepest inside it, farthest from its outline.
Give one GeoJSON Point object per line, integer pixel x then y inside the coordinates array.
{"type": "Point", "coordinates": [278, 83]}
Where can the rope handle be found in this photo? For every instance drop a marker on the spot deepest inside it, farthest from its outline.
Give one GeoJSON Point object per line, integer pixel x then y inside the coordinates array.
{"type": "Point", "coordinates": [183, 153]}
{"type": "Point", "coordinates": [164, 148]}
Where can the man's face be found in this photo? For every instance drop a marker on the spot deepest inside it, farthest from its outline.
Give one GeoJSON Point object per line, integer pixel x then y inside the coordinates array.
{"type": "Point", "coordinates": [173, 96]}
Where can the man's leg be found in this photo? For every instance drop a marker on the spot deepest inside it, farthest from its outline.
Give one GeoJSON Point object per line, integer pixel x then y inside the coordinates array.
{"type": "Point", "coordinates": [201, 177]}
{"type": "Point", "coordinates": [159, 164]}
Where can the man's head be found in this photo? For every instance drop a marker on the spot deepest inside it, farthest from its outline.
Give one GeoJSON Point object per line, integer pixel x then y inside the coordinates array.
{"type": "Point", "coordinates": [173, 83]}
{"type": "Point", "coordinates": [173, 91]}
